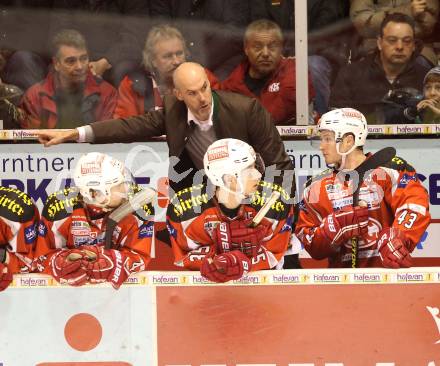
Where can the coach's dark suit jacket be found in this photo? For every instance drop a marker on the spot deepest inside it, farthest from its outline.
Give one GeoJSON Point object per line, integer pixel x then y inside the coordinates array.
{"type": "Point", "coordinates": [234, 116]}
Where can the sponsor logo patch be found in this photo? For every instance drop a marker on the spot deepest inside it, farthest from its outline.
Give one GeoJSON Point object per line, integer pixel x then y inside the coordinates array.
{"type": "Point", "coordinates": [273, 88]}
{"type": "Point", "coordinates": [171, 230]}
{"type": "Point", "coordinates": [220, 152]}
{"type": "Point", "coordinates": [42, 229]}
{"type": "Point", "coordinates": [30, 234]}
{"type": "Point", "coordinates": [146, 230]}
{"type": "Point", "coordinates": [406, 178]}
{"type": "Point", "coordinates": [288, 225]}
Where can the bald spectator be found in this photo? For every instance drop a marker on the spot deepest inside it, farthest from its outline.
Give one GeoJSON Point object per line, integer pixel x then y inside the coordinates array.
{"type": "Point", "coordinates": [265, 74]}
{"type": "Point", "coordinates": [144, 88]}
{"type": "Point", "coordinates": [70, 95]}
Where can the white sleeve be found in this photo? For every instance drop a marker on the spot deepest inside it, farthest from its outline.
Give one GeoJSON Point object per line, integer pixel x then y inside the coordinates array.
{"type": "Point", "coordinates": [85, 134]}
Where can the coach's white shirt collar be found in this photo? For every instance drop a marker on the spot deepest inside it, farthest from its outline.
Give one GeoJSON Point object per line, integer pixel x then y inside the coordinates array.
{"type": "Point", "coordinates": [203, 125]}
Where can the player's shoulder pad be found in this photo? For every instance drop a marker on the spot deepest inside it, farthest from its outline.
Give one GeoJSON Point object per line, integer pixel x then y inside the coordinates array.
{"type": "Point", "coordinates": [315, 178]}
{"type": "Point", "coordinates": [147, 210]}
{"type": "Point", "coordinates": [189, 202]}
{"type": "Point", "coordinates": [16, 205]}
{"type": "Point", "coordinates": [60, 205]}
{"type": "Point", "coordinates": [280, 209]}
{"type": "Point", "coordinates": [399, 164]}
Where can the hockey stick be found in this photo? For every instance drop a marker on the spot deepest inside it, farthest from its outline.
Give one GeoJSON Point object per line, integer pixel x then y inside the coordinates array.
{"type": "Point", "coordinates": [378, 159]}
{"type": "Point", "coordinates": [266, 207]}
{"type": "Point", "coordinates": [140, 199]}
{"type": "Point", "coordinates": [21, 134]}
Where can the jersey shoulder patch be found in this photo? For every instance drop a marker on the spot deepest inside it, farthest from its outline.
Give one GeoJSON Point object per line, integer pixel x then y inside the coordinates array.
{"type": "Point", "coordinates": [60, 205]}
{"type": "Point", "coordinates": [16, 205]}
{"type": "Point", "coordinates": [399, 164]}
{"type": "Point", "coordinates": [189, 203]}
{"type": "Point", "coordinates": [280, 208]}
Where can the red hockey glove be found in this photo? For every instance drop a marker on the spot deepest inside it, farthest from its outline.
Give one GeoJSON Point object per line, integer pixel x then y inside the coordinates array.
{"type": "Point", "coordinates": [238, 235]}
{"type": "Point", "coordinates": [393, 248]}
{"type": "Point", "coordinates": [345, 224]}
{"type": "Point", "coordinates": [66, 267]}
{"type": "Point", "coordinates": [106, 265]}
{"type": "Point", "coordinates": [5, 276]}
{"type": "Point", "coordinates": [99, 265]}
{"type": "Point", "coordinates": [225, 267]}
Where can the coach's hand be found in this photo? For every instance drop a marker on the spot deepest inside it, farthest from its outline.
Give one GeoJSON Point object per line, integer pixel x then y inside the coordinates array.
{"type": "Point", "coordinates": [55, 137]}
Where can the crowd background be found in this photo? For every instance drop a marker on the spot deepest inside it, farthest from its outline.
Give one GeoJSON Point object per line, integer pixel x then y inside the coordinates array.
{"type": "Point", "coordinates": [342, 39]}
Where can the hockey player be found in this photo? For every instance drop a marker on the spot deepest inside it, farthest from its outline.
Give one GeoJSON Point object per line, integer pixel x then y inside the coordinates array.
{"type": "Point", "coordinates": [210, 226]}
{"type": "Point", "coordinates": [18, 233]}
{"type": "Point", "coordinates": [71, 233]}
{"type": "Point", "coordinates": [393, 210]}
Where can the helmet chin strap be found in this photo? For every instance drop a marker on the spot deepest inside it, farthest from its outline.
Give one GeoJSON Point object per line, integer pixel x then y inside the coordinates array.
{"type": "Point", "coordinates": [343, 156]}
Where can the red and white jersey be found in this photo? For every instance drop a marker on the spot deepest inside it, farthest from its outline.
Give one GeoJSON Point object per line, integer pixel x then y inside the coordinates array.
{"type": "Point", "coordinates": [67, 223]}
{"type": "Point", "coordinates": [193, 215]}
{"type": "Point", "coordinates": [18, 229]}
{"type": "Point", "coordinates": [395, 198]}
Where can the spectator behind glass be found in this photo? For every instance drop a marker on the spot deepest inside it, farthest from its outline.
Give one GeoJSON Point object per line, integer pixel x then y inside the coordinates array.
{"type": "Point", "coordinates": [324, 44]}
{"type": "Point", "coordinates": [212, 29]}
{"type": "Point", "coordinates": [367, 85]}
{"type": "Point", "coordinates": [429, 107]}
{"type": "Point", "coordinates": [70, 95]}
{"type": "Point", "coordinates": [143, 89]}
{"type": "Point", "coordinates": [10, 114]}
{"type": "Point", "coordinates": [265, 74]}
{"type": "Point", "coordinates": [367, 16]}
{"type": "Point", "coordinates": [114, 30]}
{"type": "Point", "coordinates": [111, 28]}
{"type": "Point", "coordinates": [23, 41]}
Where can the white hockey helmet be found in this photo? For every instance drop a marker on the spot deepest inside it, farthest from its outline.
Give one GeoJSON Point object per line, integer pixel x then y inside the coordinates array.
{"type": "Point", "coordinates": [95, 174]}
{"type": "Point", "coordinates": [230, 156]}
{"type": "Point", "coordinates": [342, 121]}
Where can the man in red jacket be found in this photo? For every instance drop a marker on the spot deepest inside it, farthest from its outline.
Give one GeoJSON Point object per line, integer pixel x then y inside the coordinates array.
{"type": "Point", "coordinates": [70, 95]}
{"type": "Point", "coordinates": [266, 74]}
